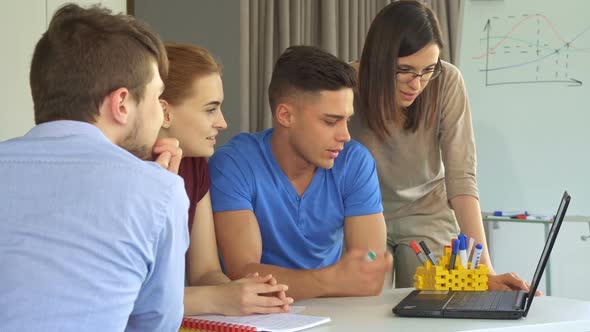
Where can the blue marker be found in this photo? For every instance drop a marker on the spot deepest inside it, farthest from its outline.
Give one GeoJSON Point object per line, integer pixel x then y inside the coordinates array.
{"type": "Point", "coordinates": [476, 256]}
{"type": "Point", "coordinates": [463, 249]}
{"type": "Point", "coordinates": [454, 253]}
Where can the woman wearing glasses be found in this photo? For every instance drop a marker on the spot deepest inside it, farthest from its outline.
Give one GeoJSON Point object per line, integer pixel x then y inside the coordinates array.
{"type": "Point", "coordinates": [413, 114]}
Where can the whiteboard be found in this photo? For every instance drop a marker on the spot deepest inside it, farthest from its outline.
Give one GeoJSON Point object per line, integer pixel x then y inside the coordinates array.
{"type": "Point", "coordinates": [526, 66]}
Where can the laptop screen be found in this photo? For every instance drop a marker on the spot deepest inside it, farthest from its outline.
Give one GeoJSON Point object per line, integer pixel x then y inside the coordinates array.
{"type": "Point", "coordinates": [565, 200]}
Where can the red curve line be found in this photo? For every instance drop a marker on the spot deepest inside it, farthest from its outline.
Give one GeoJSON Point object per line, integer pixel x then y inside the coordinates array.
{"type": "Point", "coordinates": [514, 29]}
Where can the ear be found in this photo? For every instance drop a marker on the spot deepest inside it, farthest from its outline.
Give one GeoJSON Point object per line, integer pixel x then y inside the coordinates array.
{"type": "Point", "coordinates": [285, 115]}
{"type": "Point", "coordinates": [119, 102]}
{"type": "Point", "coordinates": [167, 114]}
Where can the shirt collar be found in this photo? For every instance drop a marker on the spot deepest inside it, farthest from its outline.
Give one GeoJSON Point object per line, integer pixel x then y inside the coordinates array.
{"type": "Point", "coordinates": [63, 128]}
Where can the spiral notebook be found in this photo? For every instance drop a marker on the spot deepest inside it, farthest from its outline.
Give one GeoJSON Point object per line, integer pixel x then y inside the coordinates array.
{"type": "Point", "coordinates": [286, 322]}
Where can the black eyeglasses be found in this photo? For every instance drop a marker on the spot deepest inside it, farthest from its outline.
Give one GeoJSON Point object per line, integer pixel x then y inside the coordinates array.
{"type": "Point", "coordinates": [404, 76]}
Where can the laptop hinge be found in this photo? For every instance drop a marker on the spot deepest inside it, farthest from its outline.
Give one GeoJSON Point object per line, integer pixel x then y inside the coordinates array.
{"type": "Point", "coordinates": [520, 300]}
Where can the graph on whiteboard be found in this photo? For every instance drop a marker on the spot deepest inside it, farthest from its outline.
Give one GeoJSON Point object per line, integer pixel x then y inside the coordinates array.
{"type": "Point", "coordinates": [531, 49]}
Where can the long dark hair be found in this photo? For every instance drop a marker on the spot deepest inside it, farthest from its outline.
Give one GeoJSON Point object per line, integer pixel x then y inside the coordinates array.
{"type": "Point", "coordinates": [400, 29]}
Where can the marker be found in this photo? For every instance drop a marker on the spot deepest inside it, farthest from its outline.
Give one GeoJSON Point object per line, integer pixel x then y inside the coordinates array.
{"type": "Point", "coordinates": [371, 256]}
{"type": "Point", "coordinates": [470, 247]}
{"type": "Point", "coordinates": [454, 255]}
{"type": "Point", "coordinates": [476, 256]}
{"type": "Point", "coordinates": [428, 252]}
{"type": "Point", "coordinates": [463, 249]}
{"type": "Point", "coordinates": [509, 213]}
{"type": "Point", "coordinates": [418, 252]}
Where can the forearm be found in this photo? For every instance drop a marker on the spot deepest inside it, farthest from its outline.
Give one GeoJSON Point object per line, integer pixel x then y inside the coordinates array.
{"type": "Point", "coordinates": [211, 278]}
{"type": "Point", "coordinates": [468, 215]}
{"type": "Point", "coordinates": [303, 284]}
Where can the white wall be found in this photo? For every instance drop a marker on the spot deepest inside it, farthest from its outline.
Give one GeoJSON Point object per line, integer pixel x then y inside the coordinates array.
{"type": "Point", "coordinates": [531, 127]}
{"type": "Point", "coordinates": [21, 25]}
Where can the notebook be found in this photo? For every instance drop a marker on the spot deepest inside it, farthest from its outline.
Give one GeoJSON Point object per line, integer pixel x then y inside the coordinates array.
{"type": "Point", "coordinates": [285, 322]}
{"type": "Point", "coordinates": [489, 305]}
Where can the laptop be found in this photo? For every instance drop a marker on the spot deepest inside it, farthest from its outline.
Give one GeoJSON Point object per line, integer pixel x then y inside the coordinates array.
{"type": "Point", "coordinates": [487, 305]}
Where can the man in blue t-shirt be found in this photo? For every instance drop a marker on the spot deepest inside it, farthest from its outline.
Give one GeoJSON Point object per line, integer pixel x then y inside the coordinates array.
{"type": "Point", "coordinates": [288, 199]}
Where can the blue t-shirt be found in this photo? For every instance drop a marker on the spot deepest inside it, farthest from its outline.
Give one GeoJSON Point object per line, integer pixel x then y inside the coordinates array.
{"type": "Point", "coordinates": [301, 232]}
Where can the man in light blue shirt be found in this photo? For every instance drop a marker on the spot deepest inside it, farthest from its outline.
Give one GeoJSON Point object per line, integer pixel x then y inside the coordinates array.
{"type": "Point", "coordinates": [92, 237]}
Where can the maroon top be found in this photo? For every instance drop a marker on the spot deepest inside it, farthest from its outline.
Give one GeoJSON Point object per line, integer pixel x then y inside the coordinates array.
{"type": "Point", "coordinates": [195, 173]}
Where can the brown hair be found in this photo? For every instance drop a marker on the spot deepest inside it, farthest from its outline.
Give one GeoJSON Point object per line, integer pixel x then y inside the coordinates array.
{"type": "Point", "coordinates": [308, 69]}
{"type": "Point", "coordinates": [84, 55]}
{"type": "Point", "coordinates": [400, 29]}
{"type": "Point", "coordinates": [187, 62]}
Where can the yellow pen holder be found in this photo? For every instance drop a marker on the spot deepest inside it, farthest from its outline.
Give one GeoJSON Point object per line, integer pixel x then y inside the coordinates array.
{"type": "Point", "coordinates": [430, 277]}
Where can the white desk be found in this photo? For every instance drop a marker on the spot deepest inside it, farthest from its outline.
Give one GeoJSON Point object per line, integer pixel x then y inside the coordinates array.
{"type": "Point", "coordinates": [373, 314]}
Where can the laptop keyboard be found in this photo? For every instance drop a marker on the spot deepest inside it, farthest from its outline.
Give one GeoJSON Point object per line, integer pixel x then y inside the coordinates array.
{"type": "Point", "coordinates": [481, 301]}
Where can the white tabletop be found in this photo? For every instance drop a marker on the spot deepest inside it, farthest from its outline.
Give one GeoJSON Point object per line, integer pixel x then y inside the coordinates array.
{"type": "Point", "coordinates": [357, 314]}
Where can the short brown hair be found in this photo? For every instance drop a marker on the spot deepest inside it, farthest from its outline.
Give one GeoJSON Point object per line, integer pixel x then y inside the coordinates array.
{"type": "Point", "coordinates": [308, 69]}
{"type": "Point", "coordinates": [187, 62]}
{"type": "Point", "coordinates": [84, 55]}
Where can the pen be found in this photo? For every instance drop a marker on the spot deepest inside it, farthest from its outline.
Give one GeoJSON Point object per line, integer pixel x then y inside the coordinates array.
{"type": "Point", "coordinates": [371, 255]}
{"type": "Point", "coordinates": [463, 249]}
{"type": "Point", "coordinates": [418, 252]}
{"type": "Point", "coordinates": [454, 255]}
{"type": "Point", "coordinates": [470, 247]}
{"type": "Point", "coordinates": [427, 252]}
{"type": "Point", "coordinates": [476, 256]}
{"type": "Point", "coordinates": [529, 217]}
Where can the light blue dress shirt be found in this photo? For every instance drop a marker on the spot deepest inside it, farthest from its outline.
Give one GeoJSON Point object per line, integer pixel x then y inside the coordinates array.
{"type": "Point", "coordinates": [91, 237]}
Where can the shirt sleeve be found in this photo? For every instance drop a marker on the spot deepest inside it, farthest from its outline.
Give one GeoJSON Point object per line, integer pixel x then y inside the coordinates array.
{"type": "Point", "coordinates": [456, 135]}
{"type": "Point", "coordinates": [361, 193]}
{"type": "Point", "coordinates": [159, 305]}
{"type": "Point", "coordinates": [231, 189]}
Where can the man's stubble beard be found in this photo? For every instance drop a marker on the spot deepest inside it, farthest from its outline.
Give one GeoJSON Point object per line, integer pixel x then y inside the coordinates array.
{"type": "Point", "coordinates": [132, 145]}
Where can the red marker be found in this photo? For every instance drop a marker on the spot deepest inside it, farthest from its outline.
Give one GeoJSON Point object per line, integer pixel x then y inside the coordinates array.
{"type": "Point", "coordinates": [418, 252]}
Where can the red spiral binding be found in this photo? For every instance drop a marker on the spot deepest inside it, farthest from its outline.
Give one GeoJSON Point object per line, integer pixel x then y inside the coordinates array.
{"type": "Point", "coordinates": [211, 326]}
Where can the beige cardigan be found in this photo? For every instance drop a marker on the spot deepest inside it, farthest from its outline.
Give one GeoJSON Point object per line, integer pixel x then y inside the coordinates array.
{"type": "Point", "coordinates": [412, 166]}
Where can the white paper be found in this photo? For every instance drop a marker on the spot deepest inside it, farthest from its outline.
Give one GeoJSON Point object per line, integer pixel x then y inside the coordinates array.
{"type": "Point", "coordinates": [286, 322]}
